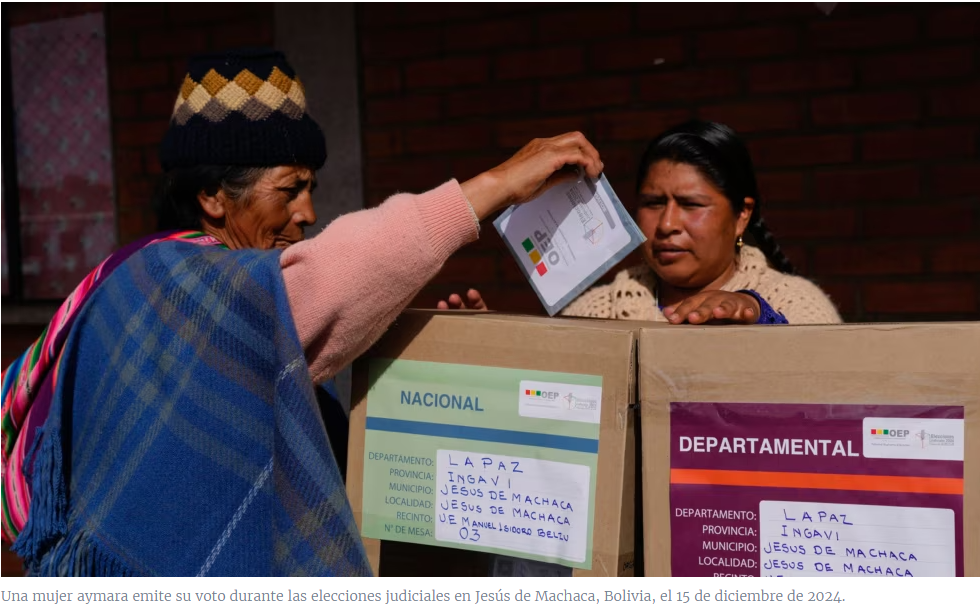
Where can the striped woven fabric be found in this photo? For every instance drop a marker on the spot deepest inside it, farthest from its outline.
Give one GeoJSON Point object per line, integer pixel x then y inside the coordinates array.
{"type": "Point", "coordinates": [184, 436]}
{"type": "Point", "coordinates": [28, 381]}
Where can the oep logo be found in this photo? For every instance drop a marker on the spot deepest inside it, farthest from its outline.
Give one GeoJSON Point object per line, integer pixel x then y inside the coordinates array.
{"type": "Point", "coordinates": [889, 433]}
{"type": "Point", "coordinates": [542, 395]}
{"type": "Point", "coordinates": [544, 251]}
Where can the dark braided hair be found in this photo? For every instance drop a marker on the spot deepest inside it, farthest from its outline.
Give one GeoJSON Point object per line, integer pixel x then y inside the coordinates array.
{"type": "Point", "coordinates": [722, 158]}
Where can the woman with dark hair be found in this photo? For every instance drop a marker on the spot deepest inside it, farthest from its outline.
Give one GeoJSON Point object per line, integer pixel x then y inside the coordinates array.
{"type": "Point", "coordinates": [698, 204]}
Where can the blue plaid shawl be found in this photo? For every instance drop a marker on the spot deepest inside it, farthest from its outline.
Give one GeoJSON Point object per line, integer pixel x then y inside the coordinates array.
{"type": "Point", "coordinates": [184, 438]}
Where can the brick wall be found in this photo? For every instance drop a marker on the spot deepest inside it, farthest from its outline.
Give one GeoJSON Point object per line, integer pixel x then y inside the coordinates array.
{"type": "Point", "coordinates": [863, 125]}
{"type": "Point", "coordinates": [148, 48]}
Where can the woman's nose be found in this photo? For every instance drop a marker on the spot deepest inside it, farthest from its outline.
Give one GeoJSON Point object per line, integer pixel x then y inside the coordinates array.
{"type": "Point", "coordinates": [303, 213]}
{"type": "Point", "coordinates": [669, 218]}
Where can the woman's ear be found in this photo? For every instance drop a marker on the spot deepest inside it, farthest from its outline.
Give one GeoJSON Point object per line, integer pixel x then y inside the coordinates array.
{"type": "Point", "coordinates": [742, 222]}
{"type": "Point", "coordinates": [214, 206]}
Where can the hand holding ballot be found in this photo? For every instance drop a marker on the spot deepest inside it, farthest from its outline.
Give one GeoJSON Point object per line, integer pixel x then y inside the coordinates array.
{"type": "Point", "coordinates": [573, 228]}
{"type": "Point", "coordinates": [534, 169]}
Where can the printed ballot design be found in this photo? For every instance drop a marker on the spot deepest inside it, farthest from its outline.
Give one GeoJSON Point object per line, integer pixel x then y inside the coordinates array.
{"type": "Point", "coordinates": [568, 238]}
{"type": "Point", "coordinates": [792, 490]}
{"type": "Point", "coordinates": [453, 457]}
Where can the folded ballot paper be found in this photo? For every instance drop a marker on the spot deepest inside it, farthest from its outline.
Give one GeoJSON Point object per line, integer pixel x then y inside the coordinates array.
{"type": "Point", "coordinates": [568, 238]}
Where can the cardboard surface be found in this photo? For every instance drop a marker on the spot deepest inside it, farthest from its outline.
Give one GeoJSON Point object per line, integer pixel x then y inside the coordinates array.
{"type": "Point", "coordinates": [580, 347]}
{"type": "Point", "coordinates": [828, 374]}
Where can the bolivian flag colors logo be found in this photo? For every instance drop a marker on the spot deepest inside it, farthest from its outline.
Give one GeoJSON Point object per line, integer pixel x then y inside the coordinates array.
{"type": "Point", "coordinates": [535, 256]}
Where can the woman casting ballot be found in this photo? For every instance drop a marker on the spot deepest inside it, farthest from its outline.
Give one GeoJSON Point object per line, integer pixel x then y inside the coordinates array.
{"type": "Point", "coordinates": [165, 422]}
{"type": "Point", "coordinates": [697, 201]}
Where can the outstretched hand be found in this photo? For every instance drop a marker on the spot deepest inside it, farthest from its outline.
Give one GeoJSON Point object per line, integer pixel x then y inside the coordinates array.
{"type": "Point", "coordinates": [715, 306]}
{"type": "Point", "coordinates": [473, 301]}
{"type": "Point", "coordinates": [534, 169]}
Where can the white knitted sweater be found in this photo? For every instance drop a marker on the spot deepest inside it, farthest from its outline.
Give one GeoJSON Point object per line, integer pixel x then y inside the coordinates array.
{"type": "Point", "coordinates": [631, 295]}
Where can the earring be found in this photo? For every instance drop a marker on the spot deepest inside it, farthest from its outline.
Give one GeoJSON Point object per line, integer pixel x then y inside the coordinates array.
{"type": "Point", "coordinates": [739, 243]}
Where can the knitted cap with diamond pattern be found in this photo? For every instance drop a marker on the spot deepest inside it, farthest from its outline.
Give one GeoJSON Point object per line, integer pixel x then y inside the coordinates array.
{"type": "Point", "coordinates": [244, 107]}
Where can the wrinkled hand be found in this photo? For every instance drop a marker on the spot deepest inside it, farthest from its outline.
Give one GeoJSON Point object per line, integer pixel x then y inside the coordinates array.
{"type": "Point", "coordinates": [715, 306]}
{"type": "Point", "coordinates": [473, 301]}
{"type": "Point", "coordinates": [534, 169]}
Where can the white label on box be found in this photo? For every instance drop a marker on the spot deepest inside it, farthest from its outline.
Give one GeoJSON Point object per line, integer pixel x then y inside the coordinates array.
{"type": "Point", "coordinates": [563, 401]}
{"type": "Point", "coordinates": [897, 438]}
{"type": "Point", "coordinates": [520, 504]}
{"type": "Point", "coordinates": [817, 539]}
{"type": "Point", "coordinates": [565, 235]}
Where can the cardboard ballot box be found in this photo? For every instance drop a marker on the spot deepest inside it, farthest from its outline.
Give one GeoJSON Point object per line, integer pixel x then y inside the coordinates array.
{"type": "Point", "coordinates": [811, 450]}
{"type": "Point", "coordinates": [474, 435]}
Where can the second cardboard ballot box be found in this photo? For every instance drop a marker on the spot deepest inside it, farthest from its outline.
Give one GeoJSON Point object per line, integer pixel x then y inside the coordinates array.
{"type": "Point", "coordinates": [481, 435]}
{"type": "Point", "coordinates": [811, 450]}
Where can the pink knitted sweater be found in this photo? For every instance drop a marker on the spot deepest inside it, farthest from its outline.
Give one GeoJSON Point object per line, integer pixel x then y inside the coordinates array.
{"type": "Point", "coordinates": [347, 284]}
